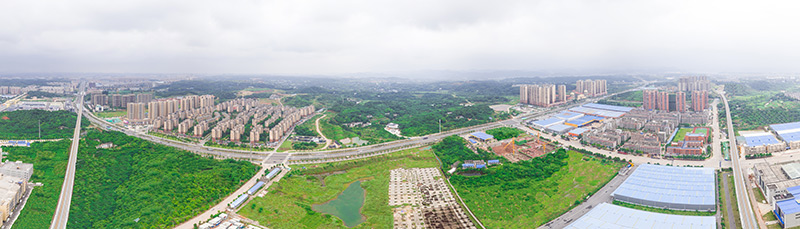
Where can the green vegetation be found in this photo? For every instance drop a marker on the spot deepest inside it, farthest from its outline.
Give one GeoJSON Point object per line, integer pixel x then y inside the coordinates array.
{"type": "Point", "coordinates": [49, 161]}
{"type": "Point", "coordinates": [308, 128]}
{"type": "Point", "coordinates": [681, 134]}
{"type": "Point", "coordinates": [628, 99]}
{"type": "Point", "coordinates": [374, 134]}
{"type": "Point", "coordinates": [304, 145]}
{"type": "Point", "coordinates": [223, 90]}
{"type": "Point", "coordinates": [452, 149]}
{"type": "Point", "coordinates": [42, 94]}
{"type": "Point", "coordinates": [24, 124]}
{"type": "Point", "coordinates": [159, 185]}
{"type": "Point", "coordinates": [762, 109]}
{"type": "Point", "coordinates": [530, 193]}
{"type": "Point", "coordinates": [758, 155]}
{"type": "Point", "coordinates": [664, 210]}
{"type": "Point", "coordinates": [503, 133]}
{"type": "Point", "coordinates": [232, 145]}
{"type": "Point", "coordinates": [172, 137]}
{"type": "Point", "coordinates": [288, 203]}
{"type": "Point", "coordinates": [111, 114]}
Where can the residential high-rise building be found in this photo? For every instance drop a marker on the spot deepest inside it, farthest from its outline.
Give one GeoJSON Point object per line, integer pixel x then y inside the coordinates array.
{"type": "Point", "coordinates": [591, 88]}
{"type": "Point", "coordinates": [542, 95]}
{"type": "Point", "coordinates": [116, 100]}
{"type": "Point", "coordinates": [693, 83]}
{"type": "Point", "coordinates": [153, 110]}
{"type": "Point", "coordinates": [662, 101]}
{"type": "Point", "coordinates": [699, 100]}
{"type": "Point", "coordinates": [130, 98]}
{"type": "Point", "coordinates": [523, 94]}
{"type": "Point", "coordinates": [144, 98]}
{"type": "Point", "coordinates": [100, 99]}
{"type": "Point", "coordinates": [136, 111]}
{"type": "Point", "coordinates": [562, 93]}
{"type": "Point", "coordinates": [649, 99]}
{"type": "Point", "coordinates": [680, 101]}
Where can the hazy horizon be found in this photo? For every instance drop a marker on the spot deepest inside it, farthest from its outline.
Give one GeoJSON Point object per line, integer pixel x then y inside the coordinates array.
{"type": "Point", "coordinates": [352, 38]}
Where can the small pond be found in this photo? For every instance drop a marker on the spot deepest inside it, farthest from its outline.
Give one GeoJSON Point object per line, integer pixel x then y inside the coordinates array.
{"type": "Point", "coordinates": [346, 206]}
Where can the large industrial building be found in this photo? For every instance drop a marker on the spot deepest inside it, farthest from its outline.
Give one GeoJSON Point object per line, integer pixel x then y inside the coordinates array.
{"type": "Point", "coordinates": [774, 179]}
{"type": "Point", "coordinates": [788, 210]}
{"type": "Point", "coordinates": [678, 188]}
{"type": "Point", "coordinates": [610, 216]}
{"type": "Point", "coordinates": [789, 133]}
{"type": "Point", "coordinates": [760, 142]}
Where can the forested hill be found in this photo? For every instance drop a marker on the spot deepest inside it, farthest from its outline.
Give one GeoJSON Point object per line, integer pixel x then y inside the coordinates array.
{"type": "Point", "coordinates": [24, 124]}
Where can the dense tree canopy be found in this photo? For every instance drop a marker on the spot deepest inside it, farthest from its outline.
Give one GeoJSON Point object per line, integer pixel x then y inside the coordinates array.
{"type": "Point", "coordinates": [24, 124]}
{"type": "Point", "coordinates": [503, 133]}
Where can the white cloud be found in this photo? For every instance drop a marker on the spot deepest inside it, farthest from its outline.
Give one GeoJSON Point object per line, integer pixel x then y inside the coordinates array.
{"type": "Point", "coordinates": [336, 37]}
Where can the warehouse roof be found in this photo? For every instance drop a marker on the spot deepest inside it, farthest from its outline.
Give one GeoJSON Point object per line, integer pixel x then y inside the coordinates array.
{"type": "Point", "coordinates": [598, 112]}
{"type": "Point", "coordinates": [582, 121]}
{"type": "Point", "coordinates": [789, 132]}
{"type": "Point", "coordinates": [578, 131]}
{"type": "Point", "coordinates": [482, 135]}
{"type": "Point", "coordinates": [608, 215]}
{"type": "Point", "coordinates": [547, 122]}
{"type": "Point", "coordinates": [792, 170]}
{"type": "Point", "coordinates": [667, 184]}
{"type": "Point", "coordinates": [758, 139]}
{"type": "Point", "coordinates": [790, 206]}
{"type": "Point", "coordinates": [609, 107]}
{"type": "Point", "coordinates": [566, 115]}
{"type": "Point", "coordinates": [559, 128]}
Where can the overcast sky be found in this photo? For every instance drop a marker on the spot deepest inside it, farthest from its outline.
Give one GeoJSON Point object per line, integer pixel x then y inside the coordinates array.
{"type": "Point", "coordinates": [342, 36]}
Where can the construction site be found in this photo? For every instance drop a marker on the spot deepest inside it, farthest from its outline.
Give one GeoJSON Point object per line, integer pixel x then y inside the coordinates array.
{"type": "Point", "coordinates": [421, 199]}
{"type": "Point", "coordinates": [526, 148]}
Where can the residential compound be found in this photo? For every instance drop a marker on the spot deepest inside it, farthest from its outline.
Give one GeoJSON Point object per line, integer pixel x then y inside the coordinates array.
{"type": "Point", "coordinates": [547, 95]}
{"type": "Point", "coordinates": [119, 100]}
{"type": "Point", "coordinates": [762, 142]}
{"type": "Point", "coordinates": [665, 101]}
{"type": "Point", "coordinates": [230, 121]}
{"type": "Point", "coordinates": [543, 95]}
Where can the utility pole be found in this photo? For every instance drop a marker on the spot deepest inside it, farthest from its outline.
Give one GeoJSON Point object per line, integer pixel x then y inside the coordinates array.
{"type": "Point", "coordinates": [40, 128]}
{"type": "Point", "coordinates": [440, 126]}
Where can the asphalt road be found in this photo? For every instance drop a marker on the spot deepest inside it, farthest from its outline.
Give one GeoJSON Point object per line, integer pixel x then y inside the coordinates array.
{"type": "Point", "coordinates": [65, 198]}
{"type": "Point", "coordinates": [745, 209]}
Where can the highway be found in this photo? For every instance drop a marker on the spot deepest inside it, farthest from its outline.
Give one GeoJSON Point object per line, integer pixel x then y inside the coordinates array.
{"type": "Point", "coordinates": [745, 209]}
{"type": "Point", "coordinates": [65, 198]}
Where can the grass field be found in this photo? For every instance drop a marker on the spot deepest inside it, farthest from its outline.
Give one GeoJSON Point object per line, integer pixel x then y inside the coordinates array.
{"type": "Point", "coordinates": [734, 202]}
{"type": "Point", "coordinates": [111, 114]}
{"type": "Point", "coordinates": [288, 202]}
{"type": "Point", "coordinates": [681, 134]}
{"type": "Point", "coordinates": [334, 132]}
{"type": "Point", "coordinates": [665, 211]}
{"type": "Point", "coordinates": [542, 200]}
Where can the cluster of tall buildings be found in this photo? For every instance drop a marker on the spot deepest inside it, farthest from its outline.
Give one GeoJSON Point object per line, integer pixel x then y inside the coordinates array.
{"type": "Point", "coordinates": [693, 83]}
{"type": "Point", "coordinates": [120, 101]}
{"type": "Point", "coordinates": [14, 178]}
{"type": "Point", "coordinates": [591, 88]}
{"type": "Point", "coordinates": [665, 101]}
{"type": "Point", "coordinates": [542, 95]}
{"type": "Point", "coordinates": [6, 90]}
{"type": "Point", "coordinates": [546, 95]}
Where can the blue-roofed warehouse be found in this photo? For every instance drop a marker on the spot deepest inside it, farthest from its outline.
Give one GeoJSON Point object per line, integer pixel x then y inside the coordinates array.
{"type": "Point", "coordinates": [678, 188]}
{"type": "Point", "coordinates": [584, 121]}
{"type": "Point", "coordinates": [560, 128]}
{"type": "Point", "coordinates": [255, 188]}
{"type": "Point", "coordinates": [566, 115]}
{"type": "Point", "coordinates": [788, 209]}
{"type": "Point", "coordinates": [481, 136]}
{"type": "Point", "coordinates": [789, 133]}
{"type": "Point", "coordinates": [609, 107]}
{"type": "Point", "coordinates": [577, 131]}
{"type": "Point", "coordinates": [273, 173]}
{"type": "Point", "coordinates": [542, 124]}
{"type": "Point", "coordinates": [239, 201]}
{"type": "Point", "coordinates": [763, 142]}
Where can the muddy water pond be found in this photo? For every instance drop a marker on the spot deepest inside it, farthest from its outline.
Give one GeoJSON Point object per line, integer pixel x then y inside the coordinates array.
{"type": "Point", "coordinates": [346, 206]}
